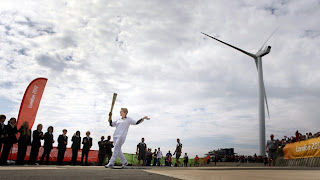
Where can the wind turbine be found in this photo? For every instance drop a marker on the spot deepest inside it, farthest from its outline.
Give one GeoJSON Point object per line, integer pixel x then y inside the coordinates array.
{"type": "Point", "coordinates": [262, 92]}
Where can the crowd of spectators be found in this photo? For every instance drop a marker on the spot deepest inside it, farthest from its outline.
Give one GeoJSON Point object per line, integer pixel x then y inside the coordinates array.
{"type": "Point", "coordinates": [237, 158]}
{"type": "Point", "coordinates": [297, 137]}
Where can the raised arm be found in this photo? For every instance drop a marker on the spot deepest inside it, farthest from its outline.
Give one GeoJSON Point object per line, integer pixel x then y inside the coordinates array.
{"type": "Point", "coordinates": [111, 123]}
{"type": "Point", "coordinates": [133, 122]}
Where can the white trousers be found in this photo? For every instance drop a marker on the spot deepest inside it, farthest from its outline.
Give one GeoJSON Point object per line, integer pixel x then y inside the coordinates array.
{"type": "Point", "coordinates": [118, 142]}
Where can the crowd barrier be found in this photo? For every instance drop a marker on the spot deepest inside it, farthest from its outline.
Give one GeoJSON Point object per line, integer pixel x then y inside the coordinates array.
{"type": "Point", "coordinates": [302, 149]}
{"type": "Point", "coordinates": [302, 153]}
{"type": "Point", "coordinates": [305, 162]}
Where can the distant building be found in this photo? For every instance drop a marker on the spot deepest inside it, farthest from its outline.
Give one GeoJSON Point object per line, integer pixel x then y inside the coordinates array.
{"type": "Point", "coordinates": [222, 152]}
{"type": "Point", "coordinates": [222, 155]}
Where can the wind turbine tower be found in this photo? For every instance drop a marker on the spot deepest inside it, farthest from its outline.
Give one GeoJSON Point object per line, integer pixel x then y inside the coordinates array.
{"type": "Point", "coordinates": [262, 92]}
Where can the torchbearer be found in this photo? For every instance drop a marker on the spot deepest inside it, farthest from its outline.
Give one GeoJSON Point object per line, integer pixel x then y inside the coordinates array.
{"type": "Point", "coordinates": [120, 134]}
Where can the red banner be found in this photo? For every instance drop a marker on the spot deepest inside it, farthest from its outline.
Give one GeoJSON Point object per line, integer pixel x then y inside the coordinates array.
{"type": "Point", "coordinates": [30, 102]}
{"type": "Point", "coordinates": [93, 154]}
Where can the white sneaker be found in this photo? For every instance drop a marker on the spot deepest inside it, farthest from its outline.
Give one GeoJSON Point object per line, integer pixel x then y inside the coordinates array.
{"type": "Point", "coordinates": [124, 165]}
{"type": "Point", "coordinates": [109, 166]}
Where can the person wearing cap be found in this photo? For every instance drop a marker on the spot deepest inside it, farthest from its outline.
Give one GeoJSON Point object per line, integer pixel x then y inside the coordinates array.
{"type": "Point", "coordinates": [122, 126]}
{"type": "Point", "coordinates": [271, 149]}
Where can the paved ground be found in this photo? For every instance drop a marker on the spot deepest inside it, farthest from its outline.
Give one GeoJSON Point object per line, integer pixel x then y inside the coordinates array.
{"type": "Point", "coordinates": [170, 173]}
{"type": "Point", "coordinates": [75, 172]}
{"type": "Point", "coordinates": [240, 173]}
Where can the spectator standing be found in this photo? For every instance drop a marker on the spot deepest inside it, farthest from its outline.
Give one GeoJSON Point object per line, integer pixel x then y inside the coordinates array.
{"type": "Point", "coordinates": [102, 151]}
{"type": "Point", "coordinates": [185, 160]}
{"type": "Point", "coordinates": [169, 158]}
{"type": "Point", "coordinates": [271, 149]}
{"type": "Point", "coordinates": [196, 161]}
{"type": "Point", "coordinates": [149, 157]}
{"type": "Point", "coordinates": [159, 157]}
{"type": "Point", "coordinates": [76, 145]}
{"type": "Point", "coordinates": [155, 157]}
{"type": "Point", "coordinates": [10, 134]}
{"type": "Point", "coordinates": [297, 135]}
{"type": "Point", "coordinates": [178, 152]}
{"type": "Point", "coordinates": [87, 144]}
{"type": "Point", "coordinates": [47, 146]}
{"type": "Point", "coordinates": [208, 159]}
{"type": "Point", "coordinates": [109, 146]}
{"type": "Point", "coordinates": [141, 152]}
{"type": "Point", "coordinates": [62, 146]}
{"type": "Point", "coordinates": [36, 144]}
{"type": "Point", "coordinates": [23, 142]}
{"type": "Point", "coordinates": [265, 161]}
{"type": "Point", "coordinates": [2, 130]}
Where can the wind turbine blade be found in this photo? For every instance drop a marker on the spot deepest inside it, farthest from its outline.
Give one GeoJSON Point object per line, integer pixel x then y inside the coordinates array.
{"type": "Point", "coordinates": [268, 38]}
{"type": "Point", "coordinates": [264, 91]}
{"type": "Point", "coordinates": [245, 52]}
{"type": "Point", "coordinates": [265, 97]}
{"type": "Point", "coordinates": [256, 61]}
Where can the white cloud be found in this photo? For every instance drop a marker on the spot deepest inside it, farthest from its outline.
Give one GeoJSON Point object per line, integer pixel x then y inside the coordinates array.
{"type": "Point", "coordinates": [153, 55]}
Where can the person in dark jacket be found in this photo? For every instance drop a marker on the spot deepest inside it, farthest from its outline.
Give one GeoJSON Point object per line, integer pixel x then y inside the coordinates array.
{"type": "Point", "coordinates": [47, 146]}
{"type": "Point", "coordinates": [109, 146]}
{"type": "Point", "coordinates": [87, 143]}
{"type": "Point", "coordinates": [149, 157]}
{"type": "Point", "coordinates": [62, 146]}
{"type": "Point", "coordinates": [155, 157]}
{"type": "Point", "coordinates": [10, 134]}
{"type": "Point", "coordinates": [76, 143]}
{"type": "Point", "coordinates": [23, 142]}
{"type": "Point", "coordinates": [102, 151]}
{"type": "Point", "coordinates": [2, 130]}
{"type": "Point", "coordinates": [36, 144]}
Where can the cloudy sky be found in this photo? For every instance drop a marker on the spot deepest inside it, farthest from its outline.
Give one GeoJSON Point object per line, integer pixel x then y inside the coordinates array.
{"type": "Point", "coordinates": [153, 55]}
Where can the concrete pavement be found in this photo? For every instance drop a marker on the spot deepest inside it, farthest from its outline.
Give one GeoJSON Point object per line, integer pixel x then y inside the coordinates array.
{"type": "Point", "coordinates": [155, 173]}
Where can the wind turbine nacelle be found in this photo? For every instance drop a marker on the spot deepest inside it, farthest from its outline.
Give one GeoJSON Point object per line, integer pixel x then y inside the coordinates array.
{"type": "Point", "coordinates": [263, 52]}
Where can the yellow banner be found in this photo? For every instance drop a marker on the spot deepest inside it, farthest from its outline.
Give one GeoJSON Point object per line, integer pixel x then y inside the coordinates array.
{"type": "Point", "coordinates": [303, 149]}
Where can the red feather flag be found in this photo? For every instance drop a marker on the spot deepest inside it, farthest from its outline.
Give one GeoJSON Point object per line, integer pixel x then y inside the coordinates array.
{"type": "Point", "coordinates": [31, 101]}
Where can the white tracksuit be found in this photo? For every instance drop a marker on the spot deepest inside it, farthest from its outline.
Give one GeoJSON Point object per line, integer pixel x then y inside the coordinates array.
{"type": "Point", "coordinates": [119, 137]}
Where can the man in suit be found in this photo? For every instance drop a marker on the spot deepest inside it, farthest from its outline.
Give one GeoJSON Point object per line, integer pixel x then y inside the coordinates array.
{"type": "Point", "coordinates": [87, 143]}
{"type": "Point", "coordinates": [62, 146]}
{"type": "Point", "coordinates": [2, 130]}
{"type": "Point", "coordinates": [109, 146]}
{"type": "Point", "coordinates": [76, 145]}
{"type": "Point", "coordinates": [102, 151]}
